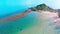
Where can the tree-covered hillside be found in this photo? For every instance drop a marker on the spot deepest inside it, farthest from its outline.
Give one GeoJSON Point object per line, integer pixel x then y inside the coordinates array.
{"type": "Point", "coordinates": [42, 7]}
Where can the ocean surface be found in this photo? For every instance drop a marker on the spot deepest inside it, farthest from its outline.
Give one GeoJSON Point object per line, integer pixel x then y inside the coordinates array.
{"type": "Point", "coordinates": [18, 25]}
{"type": "Point", "coordinates": [9, 7]}
{"type": "Point", "coordinates": [12, 6]}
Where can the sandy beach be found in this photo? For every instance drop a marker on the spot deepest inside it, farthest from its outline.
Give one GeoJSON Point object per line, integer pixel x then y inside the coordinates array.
{"type": "Point", "coordinates": [41, 28]}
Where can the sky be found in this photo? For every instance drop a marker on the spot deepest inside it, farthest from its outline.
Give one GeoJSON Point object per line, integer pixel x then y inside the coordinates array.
{"type": "Point", "coordinates": [52, 3]}
{"type": "Point", "coordinates": [55, 4]}
{"type": "Point", "coordinates": [11, 6]}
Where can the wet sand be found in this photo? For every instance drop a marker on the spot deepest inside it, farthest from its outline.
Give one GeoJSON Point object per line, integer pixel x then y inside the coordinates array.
{"type": "Point", "coordinates": [41, 28]}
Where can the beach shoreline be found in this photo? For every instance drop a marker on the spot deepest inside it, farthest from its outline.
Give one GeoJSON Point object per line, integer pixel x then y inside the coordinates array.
{"type": "Point", "coordinates": [42, 28]}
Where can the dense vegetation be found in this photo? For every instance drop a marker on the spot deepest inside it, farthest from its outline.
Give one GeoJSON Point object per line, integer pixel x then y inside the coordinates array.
{"type": "Point", "coordinates": [41, 7]}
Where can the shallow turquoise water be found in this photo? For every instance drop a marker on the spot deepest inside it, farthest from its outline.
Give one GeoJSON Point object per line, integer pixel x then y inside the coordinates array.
{"type": "Point", "coordinates": [9, 7]}
{"type": "Point", "coordinates": [18, 25]}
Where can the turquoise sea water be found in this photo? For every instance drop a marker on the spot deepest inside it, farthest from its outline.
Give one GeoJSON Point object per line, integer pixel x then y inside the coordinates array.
{"type": "Point", "coordinates": [12, 6]}
{"type": "Point", "coordinates": [9, 7]}
{"type": "Point", "coordinates": [15, 26]}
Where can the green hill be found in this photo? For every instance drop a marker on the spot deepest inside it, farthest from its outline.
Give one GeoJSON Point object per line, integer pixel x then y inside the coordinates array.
{"type": "Point", "coordinates": [42, 7]}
